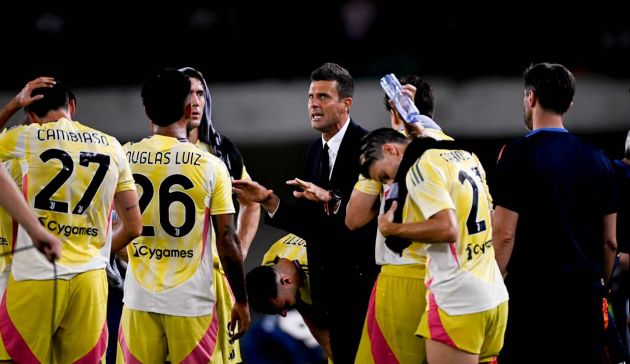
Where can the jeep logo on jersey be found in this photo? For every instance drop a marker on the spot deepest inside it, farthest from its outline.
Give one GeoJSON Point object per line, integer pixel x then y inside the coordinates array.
{"type": "Point", "coordinates": [157, 253]}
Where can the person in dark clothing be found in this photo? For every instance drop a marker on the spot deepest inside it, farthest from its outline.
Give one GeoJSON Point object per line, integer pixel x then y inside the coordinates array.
{"type": "Point", "coordinates": [554, 230]}
{"type": "Point", "coordinates": [620, 286]}
{"type": "Point", "coordinates": [331, 168]}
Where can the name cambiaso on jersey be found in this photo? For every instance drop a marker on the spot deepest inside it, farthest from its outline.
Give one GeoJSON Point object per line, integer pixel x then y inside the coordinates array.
{"type": "Point", "coordinates": [69, 174]}
{"type": "Point", "coordinates": [180, 187]}
{"type": "Point", "coordinates": [463, 275]}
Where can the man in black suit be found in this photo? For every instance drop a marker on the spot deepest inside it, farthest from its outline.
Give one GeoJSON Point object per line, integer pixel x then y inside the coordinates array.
{"type": "Point", "coordinates": [340, 261]}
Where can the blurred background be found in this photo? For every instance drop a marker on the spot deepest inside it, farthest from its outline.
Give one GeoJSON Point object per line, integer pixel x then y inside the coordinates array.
{"type": "Point", "coordinates": [257, 59]}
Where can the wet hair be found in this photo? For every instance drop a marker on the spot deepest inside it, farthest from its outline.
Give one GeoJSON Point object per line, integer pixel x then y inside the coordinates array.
{"type": "Point", "coordinates": [553, 84]}
{"type": "Point", "coordinates": [371, 147]}
{"type": "Point", "coordinates": [220, 145]}
{"type": "Point", "coordinates": [424, 99]}
{"type": "Point", "coordinates": [334, 72]}
{"type": "Point", "coordinates": [55, 97]}
{"type": "Point", "coordinates": [261, 287]}
{"type": "Point", "coordinates": [164, 96]}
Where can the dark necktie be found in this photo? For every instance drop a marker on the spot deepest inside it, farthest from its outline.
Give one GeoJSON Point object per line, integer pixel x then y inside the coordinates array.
{"type": "Point", "coordinates": [324, 169]}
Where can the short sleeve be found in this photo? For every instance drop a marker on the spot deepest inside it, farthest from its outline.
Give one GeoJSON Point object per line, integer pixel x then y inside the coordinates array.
{"type": "Point", "coordinates": [125, 177]}
{"type": "Point", "coordinates": [368, 186]}
{"type": "Point", "coordinates": [221, 194]}
{"type": "Point", "coordinates": [427, 188]}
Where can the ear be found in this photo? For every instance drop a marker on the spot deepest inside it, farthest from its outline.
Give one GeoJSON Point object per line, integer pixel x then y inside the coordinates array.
{"type": "Point", "coordinates": [532, 99]}
{"type": "Point", "coordinates": [285, 280]}
{"type": "Point", "coordinates": [72, 107]}
{"type": "Point", "coordinates": [348, 103]}
{"type": "Point", "coordinates": [389, 149]}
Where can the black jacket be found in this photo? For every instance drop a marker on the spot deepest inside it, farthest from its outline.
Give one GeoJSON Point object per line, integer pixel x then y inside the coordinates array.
{"type": "Point", "coordinates": [339, 260]}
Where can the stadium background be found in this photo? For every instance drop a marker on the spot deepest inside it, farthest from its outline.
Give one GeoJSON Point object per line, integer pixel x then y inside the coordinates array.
{"type": "Point", "coordinates": [257, 59]}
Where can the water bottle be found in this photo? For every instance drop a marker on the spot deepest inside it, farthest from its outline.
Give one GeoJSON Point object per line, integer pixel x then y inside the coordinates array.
{"type": "Point", "coordinates": [404, 104]}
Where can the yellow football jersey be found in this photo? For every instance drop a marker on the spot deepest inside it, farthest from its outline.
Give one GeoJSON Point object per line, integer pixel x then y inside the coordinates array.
{"type": "Point", "coordinates": [215, 255]}
{"type": "Point", "coordinates": [7, 227]}
{"type": "Point", "coordinates": [463, 275]}
{"type": "Point", "coordinates": [291, 247]}
{"type": "Point", "coordinates": [180, 187]}
{"type": "Point", "coordinates": [368, 186]}
{"type": "Point", "coordinates": [69, 175]}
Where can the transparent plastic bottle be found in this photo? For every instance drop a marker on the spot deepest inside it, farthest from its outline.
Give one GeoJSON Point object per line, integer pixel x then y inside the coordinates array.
{"type": "Point", "coordinates": [404, 103]}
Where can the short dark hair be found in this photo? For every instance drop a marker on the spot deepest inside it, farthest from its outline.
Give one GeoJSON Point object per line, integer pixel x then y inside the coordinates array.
{"type": "Point", "coordinates": [424, 99]}
{"type": "Point", "coordinates": [371, 144]}
{"type": "Point", "coordinates": [164, 96]}
{"type": "Point", "coordinates": [553, 84]}
{"type": "Point", "coordinates": [261, 287]}
{"type": "Point", "coordinates": [334, 72]}
{"type": "Point", "coordinates": [55, 97]}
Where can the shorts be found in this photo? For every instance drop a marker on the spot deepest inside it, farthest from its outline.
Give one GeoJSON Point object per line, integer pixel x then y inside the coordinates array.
{"type": "Point", "coordinates": [396, 306]}
{"type": "Point", "coordinates": [79, 319]}
{"type": "Point", "coordinates": [476, 333]}
{"type": "Point", "coordinates": [147, 337]}
{"type": "Point", "coordinates": [231, 352]}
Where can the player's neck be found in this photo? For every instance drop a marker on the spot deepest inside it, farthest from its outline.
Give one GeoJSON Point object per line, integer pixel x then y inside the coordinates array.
{"type": "Point", "coordinates": [53, 116]}
{"type": "Point", "coordinates": [193, 135]}
{"type": "Point", "coordinates": [176, 130]}
{"type": "Point", "coordinates": [545, 119]}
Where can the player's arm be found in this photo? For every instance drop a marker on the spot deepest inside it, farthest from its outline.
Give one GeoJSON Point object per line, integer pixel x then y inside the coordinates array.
{"type": "Point", "coordinates": [130, 227]}
{"type": "Point", "coordinates": [610, 244]}
{"type": "Point", "coordinates": [361, 209]}
{"type": "Point", "coordinates": [23, 98]}
{"type": "Point", "coordinates": [441, 227]}
{"type": "Point", "coordinates": [247, 224]}
{"type": "Point", "coordinates": [13, 202]}
{"type": "Point", "coordinates": [503, 233]}
{"type": "Point", "coordinates": [232, 262]}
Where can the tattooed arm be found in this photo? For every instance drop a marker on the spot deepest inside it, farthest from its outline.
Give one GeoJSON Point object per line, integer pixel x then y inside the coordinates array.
{"type": "Point", "coordinates": [130, 226]}
{"type": "Point", "coordinates": [232, 262]}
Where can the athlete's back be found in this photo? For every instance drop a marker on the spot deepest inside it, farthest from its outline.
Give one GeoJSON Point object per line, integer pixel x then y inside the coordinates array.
{"type": "Point", "coordinates": [69, 174]}
{"type": "Point", "coordinates": [181, 186]}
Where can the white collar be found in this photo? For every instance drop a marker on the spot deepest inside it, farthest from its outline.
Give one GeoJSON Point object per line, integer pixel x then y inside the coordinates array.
{"type": "Point", "coordinates": [335, 142]}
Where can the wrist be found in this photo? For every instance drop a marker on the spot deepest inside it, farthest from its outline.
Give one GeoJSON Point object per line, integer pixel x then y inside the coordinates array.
{"type": "Point", "coordinates": [333, 204]}
{"type": "Point", "coordinates": [270, 204]}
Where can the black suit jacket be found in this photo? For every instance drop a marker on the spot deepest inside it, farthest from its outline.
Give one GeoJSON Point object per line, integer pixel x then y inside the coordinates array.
{"type": "Point", "coordinates": [339, 260]}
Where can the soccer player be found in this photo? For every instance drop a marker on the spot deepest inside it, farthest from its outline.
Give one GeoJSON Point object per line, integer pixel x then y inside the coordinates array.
{"type": "Point", "coordinates": [202, 133]}
{"type": "Point", "coordinates": [72, 175]}
{"type": "Point", "coordinates": [439, 197]}
{"type": "Point", "coordinates": [169, 299]}
{"type": "Point", "coordinates": [398, 298]}
{"type": "Point", "coordinates": [282, 283]}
